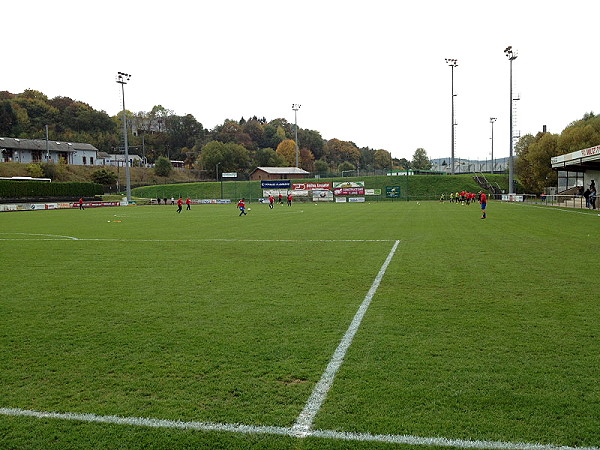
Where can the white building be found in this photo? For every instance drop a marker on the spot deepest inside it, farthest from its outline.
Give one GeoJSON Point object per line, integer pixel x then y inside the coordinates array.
{"type": "Point", "coordinates": [40, 150]}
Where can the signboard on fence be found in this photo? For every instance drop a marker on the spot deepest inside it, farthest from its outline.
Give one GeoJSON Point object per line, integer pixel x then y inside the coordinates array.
{"type": "Point", "coordinates": [350, 191]}
{"type": "Point", "coordinates": [275, 184]}
{"type": "Point", "coordinates": [372, 191]}
{"type": "Point", "coordinates": [322, 196]}
{"type": "Point", "coordinates": [349, 184]}
{"type": "Point", "coordinates": [392, 191]}
{"type": "Point", "coordinates": [310, 186]}
{"type": "Point", "coordinates": [229, 175]}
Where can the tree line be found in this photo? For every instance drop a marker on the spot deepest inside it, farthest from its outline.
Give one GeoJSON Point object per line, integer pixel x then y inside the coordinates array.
{"type": "Point", "coordinates": [236, 145]}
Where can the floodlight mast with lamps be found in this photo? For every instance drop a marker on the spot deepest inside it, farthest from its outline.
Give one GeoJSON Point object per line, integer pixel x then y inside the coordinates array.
{"type": "Point", "coordinates": [452, 63]}
{"type": "Point", "coordinates": [296, 107]}
{"type": "Point", "coordinates": [492, 120]}
{"type": "Point", "coordinates": [122, 79]}
{"type": "Point", "coordinates": [511, 55]}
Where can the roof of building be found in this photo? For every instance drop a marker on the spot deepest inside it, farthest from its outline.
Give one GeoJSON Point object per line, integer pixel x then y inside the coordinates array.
{"type": "Point", "coordinates": [282, 170]}
{"type": "Point", "coordinates": [40, 144]}
{"type": "Point", "coordinates": [588, 158]}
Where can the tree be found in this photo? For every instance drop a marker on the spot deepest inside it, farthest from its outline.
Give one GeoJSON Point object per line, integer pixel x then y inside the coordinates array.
{"type": "Point", "coordinates": [420, 160]}
{"type": "Point", "coordinates": [307, 160]}
{"type": "Point", "coordinates": [230, 156]}
{"type": "Point", "coordinates": [346, 167]}
{"type": "Point", "coordinates": [163, 167]}
{"type": "Point", "coordinates": [522, 165]}
{"type": "Point", "coordinates": [337, 151]}
{"type": "Point", "coordinates": [267, 157]}
{"type": "Point", "coordinates": [287, 149]}
{"type": "Point", "coordinates": [382, 159]}
{"type": "Point", "coordinates": [104, 176]}
{"type": "Point", "coordinates": [321, 166]}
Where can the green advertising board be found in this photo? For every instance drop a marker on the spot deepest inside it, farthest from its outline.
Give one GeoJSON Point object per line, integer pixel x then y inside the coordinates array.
{"type": "Point", "coordinates": [392, 191]}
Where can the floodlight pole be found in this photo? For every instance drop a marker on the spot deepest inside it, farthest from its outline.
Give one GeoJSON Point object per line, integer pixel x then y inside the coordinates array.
{"type": "Point", "coordinates": [296, 107]}
{"type": "Point", "coordinates": [452, 63]}
{"type": "Point", "coordinates": [511, 55]}
{"type": "Point", "coordinates": [122, 79]}
{"type": "Point", "coordinates": [492, 120]}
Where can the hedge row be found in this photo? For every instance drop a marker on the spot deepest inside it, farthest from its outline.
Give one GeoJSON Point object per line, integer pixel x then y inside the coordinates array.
{"type": "Point", "coordinates": [24, 189]}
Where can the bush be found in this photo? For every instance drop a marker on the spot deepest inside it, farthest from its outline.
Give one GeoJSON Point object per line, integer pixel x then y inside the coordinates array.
{"type": "Point", "coordinates": [104, 176]}
{"type": "Point", "coordinates": [34, 189]}
{"type": "Point", "coordinates": [163, 167]}
{"type": "Point", "coordinates": [35, 170]}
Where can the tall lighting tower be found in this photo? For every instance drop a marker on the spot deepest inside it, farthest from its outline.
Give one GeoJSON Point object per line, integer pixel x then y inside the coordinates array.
{"type": "Point", "coordinates": [511, 55]}
{"type": "Point", "coordinates": [492, 120]}
{"type": "Point", "coordinates": [122, 79]}
{"type": "Point", "coordinates": [452, 63]}
{"type": "Point", "coordinates": [296, 107]}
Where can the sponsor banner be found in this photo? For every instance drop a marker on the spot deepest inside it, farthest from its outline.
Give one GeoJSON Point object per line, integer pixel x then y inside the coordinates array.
{"type": "Point", "coordinates": [392, 191]}
{"type": "Point", "coordinates": [356, 199]}
{"type": "Point", "coordinates": [275, 193]}
{"type": "Point", "coordinates": [372, 191]}
{"type": "Point", "coordinates": [95, 204]}
{"type": "Point", "coordinates": [299, 193]}
{"type": "Point", "coordinates": [323, 196]}
{"type": "Point", "coordinates": [214, 201]}
{"type": "Point", "coordinates": [350, 191]}
{"type": "Point", "coordinates": [512, 198]}
{"type": "Point", "coordinates": [310, 186]}
{"type": "Point", "coordinates": [8, 207]}
{"type": "Point", "coordinates": [229, 175]}
{"type": "Point", "coordinates": [275, 184]}
{"type": "Point", "coordinates": [349, 184]}
{"type": "Point", "coordinates": [340, 199]}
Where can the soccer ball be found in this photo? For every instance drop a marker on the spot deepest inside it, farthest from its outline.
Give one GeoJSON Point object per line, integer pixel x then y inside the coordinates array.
{"type": "Point", "coordinates": [249, 209]}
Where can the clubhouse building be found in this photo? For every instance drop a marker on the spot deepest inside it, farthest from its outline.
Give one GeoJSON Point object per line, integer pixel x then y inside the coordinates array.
{"type": "Point", "coordinates": [577, 169]}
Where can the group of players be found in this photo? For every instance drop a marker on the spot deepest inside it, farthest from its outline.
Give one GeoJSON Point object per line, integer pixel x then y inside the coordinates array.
{"type": "Point", "coordinates": [465, 198]}
{"type": "Point", "coordinates": [242, 203]}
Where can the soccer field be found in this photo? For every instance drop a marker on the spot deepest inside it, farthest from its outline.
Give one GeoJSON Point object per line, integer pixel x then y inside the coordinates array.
{"type": "Point", "coordinates": [312, 326]}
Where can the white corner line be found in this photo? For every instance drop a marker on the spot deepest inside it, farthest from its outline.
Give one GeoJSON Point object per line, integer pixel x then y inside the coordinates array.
{"type": "Point", "coordinates": [284, 431]}
{"type": "Point", "coordinates": [304, 421]}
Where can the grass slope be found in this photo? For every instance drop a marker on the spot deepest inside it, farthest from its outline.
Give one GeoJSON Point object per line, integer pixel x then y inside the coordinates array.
{"type": "Point", "coordinates": [413, 187]}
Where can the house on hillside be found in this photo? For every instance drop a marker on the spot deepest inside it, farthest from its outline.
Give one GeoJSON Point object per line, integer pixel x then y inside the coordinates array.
{"type": "Point", "coordinates": [40, 150]}
{"type": "Point", "coordinates": [278, 173]}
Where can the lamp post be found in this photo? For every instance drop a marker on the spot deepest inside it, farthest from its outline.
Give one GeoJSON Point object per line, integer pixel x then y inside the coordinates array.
{"type": "Point", "coordinates": [511, 55]}
{"type": "Point", "coordinates": [296, 107]}
{"type": "Point", "coordinates": [122, 79]}
{"type": "Point", "coordinates": [452, 63]}
{"type": "Point", "coordinates": [492, 120]}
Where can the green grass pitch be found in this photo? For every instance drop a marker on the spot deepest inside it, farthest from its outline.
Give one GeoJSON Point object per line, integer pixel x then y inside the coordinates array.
{"type": "Point", "coordinates": [481, 330]}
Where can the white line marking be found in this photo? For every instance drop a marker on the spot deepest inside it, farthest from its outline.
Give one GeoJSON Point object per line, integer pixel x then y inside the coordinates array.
{"type": "Point", "coordinates": [283, 431]}
{"type": "Point", "coordinates": [186, 240]}
{"type": "Point", "coordinates": [305, 419]}
{"type": "Point", "coordinates": [555, 208]}
{"type": "Point", "coordinates": [39, 234]}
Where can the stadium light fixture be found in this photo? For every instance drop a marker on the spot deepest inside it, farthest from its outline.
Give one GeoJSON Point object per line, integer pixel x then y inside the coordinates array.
{"type": "Point", "coordinates": [511, 55]}
{"type": "Point", "coordinates": [296, 107]}
{"type": "Point", "coordinates": [452, 63]}
{"type": "Point", "coordinates": [122, 79]}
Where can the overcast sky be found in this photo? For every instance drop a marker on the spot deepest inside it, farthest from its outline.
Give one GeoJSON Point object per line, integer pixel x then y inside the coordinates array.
{"type": "Point", "coordinates": [371, 72]}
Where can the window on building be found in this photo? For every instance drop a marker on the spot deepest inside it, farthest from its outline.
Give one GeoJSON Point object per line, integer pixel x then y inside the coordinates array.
{"type": "Point", "coordinates": [36, 155]}
{"type": "Point", "coordinates": [84, 160]}
{"type": "Point", "coordinates": [568, 179]}
{"type": "Point", "coordinates": [91, 160]}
